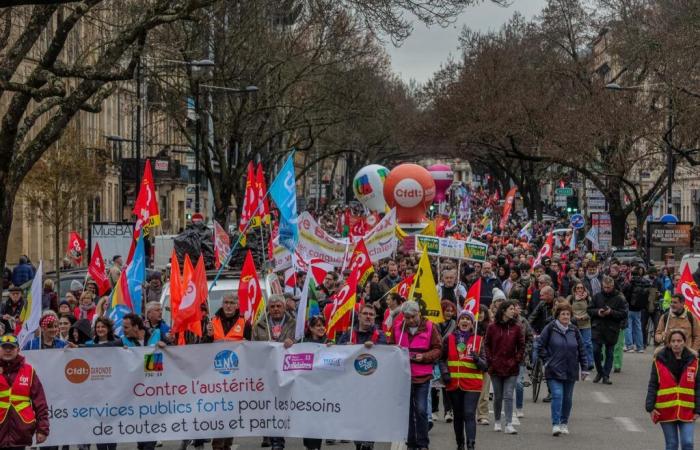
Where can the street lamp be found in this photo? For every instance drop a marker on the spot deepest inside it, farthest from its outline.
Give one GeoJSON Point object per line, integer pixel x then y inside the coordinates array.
{"type": "Point", "coordinates": [669, 134]}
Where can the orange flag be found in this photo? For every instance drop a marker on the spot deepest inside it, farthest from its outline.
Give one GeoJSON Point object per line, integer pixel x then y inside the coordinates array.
{"type": "Point", "coordinates": [250, 202]}
{"type": "Point", "coordinates": [175, 286]}
{"type": "Point", "coordinates": [189, 310]}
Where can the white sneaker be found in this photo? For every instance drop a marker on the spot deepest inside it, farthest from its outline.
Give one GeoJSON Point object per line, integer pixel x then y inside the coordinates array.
{"type": "Point", "coordinates": [483, 421]}
{"type": "Point", "coordinates": [519, 413]}
{"type": "Point", "coordinates": [556, 430]}
{"type": "Point", "coordinates": [449, 417]}
{"type": "Point", "coordinates": [516, 421]}
{"type": "Point", "coordinates": [435, 417]}
{"type": "Point", "coordinates": [564, 428]}
{"type": "Point", "coordinates": [497, 426]}
{"type": "Point", "coordinates": [510, 429]}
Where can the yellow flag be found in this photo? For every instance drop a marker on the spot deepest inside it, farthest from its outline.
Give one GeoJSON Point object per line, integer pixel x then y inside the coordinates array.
{"type": "Point", "coordinates": [424, 291]}
{"type": "Point", "coordinates": [400, 233]}
{"type": "Point", "coordinates": [429, 230]}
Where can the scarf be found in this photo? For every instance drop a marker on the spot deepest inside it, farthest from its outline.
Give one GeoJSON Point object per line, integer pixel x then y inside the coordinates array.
{"type": "Point", "coordinates": [581, 296]}
{"type": "Point", "coordinates": [595, 283]}
{"type": "Point", "coordinates": [563, 328]}
{"type": "Point", "coordinates": [84, 310]}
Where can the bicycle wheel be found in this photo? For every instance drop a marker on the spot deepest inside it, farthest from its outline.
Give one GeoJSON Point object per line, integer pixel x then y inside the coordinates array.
{"type": "Point", "coordinates": [537, 376]}
{"type": "Point", "coordinates": [651, 332]}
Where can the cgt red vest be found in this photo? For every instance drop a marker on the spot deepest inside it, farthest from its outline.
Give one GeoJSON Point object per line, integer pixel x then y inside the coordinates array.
{"type": "Point", "coordinates": [419, 343]}
{"type": "Point", "coordinates": [234, 334]}
{"type": "Point", "coordinates": [17, 396]}
{"type": "Point", "coordinates": [675, 401]}
{"type": "Point", "coordinates": [464, 375]}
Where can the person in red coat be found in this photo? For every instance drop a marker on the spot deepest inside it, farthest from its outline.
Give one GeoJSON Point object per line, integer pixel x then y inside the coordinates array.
{"type": "Point", "coordinates": [19, 420]}
{"type": "Point", "coordinates": [505, 346]}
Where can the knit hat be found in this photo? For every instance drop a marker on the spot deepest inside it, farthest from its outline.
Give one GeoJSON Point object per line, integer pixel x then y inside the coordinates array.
{"type": "Point", "coordinates": [498, 294]}
{"type": "Point", "coordinates": [466, 313]}
{"type": "Point", "coordinates": [76, 285]}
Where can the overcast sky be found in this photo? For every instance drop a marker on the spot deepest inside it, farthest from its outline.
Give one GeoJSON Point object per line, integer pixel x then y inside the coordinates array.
{"type": "Point", "coordinates": [422, 53]}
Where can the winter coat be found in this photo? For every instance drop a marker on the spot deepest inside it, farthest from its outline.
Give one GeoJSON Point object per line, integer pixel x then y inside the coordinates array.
{"type": "Point", "coordinates": [262, 331]}
{"type": "Point", "coordinates": [541, 316]}
{"type": "Point", "coordinates": [362, 336]}
{"type": "Point", "coordinates": [36, 344]}
{"type": "Point", "coordinates": [505, 347]}
{"type": "Point", "coordinates": [487, 285]}
{"type": "Point", "coordinates": [665, 356]}
{"type": "Point", "coordinates": [519, 291]}
{"type": "Point", "coordinates": [22, 273]}
{"type": "Point", "coordinates": [13, 431]}
{"type": "Point", "coordinates": [562, 352]}
{"type": "Point", "coordinates": [685, 321]}
{"type": "Point", "coordinates": [580, 307]}
{"type": "Point", "coordinates": [606, 329]}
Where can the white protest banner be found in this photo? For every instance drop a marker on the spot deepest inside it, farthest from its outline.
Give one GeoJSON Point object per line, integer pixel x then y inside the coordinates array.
{"type": "Point", "coordinates": [315, 242]}
{"type": "Point", "coordinates": [103, 395]}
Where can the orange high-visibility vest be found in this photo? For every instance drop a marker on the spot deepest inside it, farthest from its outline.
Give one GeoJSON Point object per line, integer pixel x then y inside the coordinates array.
{"type": "Point", "coordinates": [17, 396]}
{"type": "Point", "coordinates": [234, 334]}
{"type": "Point", "coordinates": [675, 401]}
{"type": "Point", "coordinates": [464, 375]}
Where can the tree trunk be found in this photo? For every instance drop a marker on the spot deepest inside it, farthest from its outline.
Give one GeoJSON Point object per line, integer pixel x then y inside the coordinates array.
{"type": "Point", "coordinates": [618, 221]}
{"type": "Point", "coordinates": [7, 200]}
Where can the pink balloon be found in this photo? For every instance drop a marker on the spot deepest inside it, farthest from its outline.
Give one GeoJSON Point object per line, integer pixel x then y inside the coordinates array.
{"type": "Point", "coordinates": [443, 176]}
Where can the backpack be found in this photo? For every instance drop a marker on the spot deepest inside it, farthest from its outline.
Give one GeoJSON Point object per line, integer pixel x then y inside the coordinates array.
{"type": "Point", "coordinates": [639, 296]}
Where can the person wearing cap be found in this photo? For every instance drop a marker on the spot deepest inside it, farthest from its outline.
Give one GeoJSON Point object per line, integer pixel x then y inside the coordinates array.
{"type": "Point", "coordinates": [24, 412]}
{"type": "Point", "coordinates": [48, 336]}
{"type": "Point", "coordinates": [463, 354]}
{"type": "Point", "coordinates": [12, 308]}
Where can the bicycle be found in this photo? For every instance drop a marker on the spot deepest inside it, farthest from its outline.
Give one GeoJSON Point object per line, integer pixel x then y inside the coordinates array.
{"type": "Point", "coordinates": [536, 377]}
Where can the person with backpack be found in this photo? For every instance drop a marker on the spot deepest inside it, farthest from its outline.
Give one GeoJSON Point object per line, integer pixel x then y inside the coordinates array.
{"type": "Point", "coordinates": [637, 294]}
{"type": "Point", "coordinates": [678, 318]}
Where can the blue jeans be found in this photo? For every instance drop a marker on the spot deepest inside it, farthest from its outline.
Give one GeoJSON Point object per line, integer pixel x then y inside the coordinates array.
{"type": "Point", "coordinates": [562, 398]}
{"type": "Point", "coordinates": [633, 332]}
{"type": "Point", "coordinates": [587, 344]}
{"type": "Point", "coordinates": [418, 416]}
{"type": "Point", "coordinates": [672, 430]}
{"type": "Point", "coordinates": [601, 369]}
{"type": "Point", "coordinates": [519, 388]}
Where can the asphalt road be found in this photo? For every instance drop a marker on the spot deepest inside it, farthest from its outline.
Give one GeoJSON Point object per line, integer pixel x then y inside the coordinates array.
{"type": "Point", "coordinates": [603, 417]}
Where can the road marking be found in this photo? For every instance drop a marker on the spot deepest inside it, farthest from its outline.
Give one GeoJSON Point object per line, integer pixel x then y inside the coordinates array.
{"type": "Point", "coordinates": [628, 424]}
{"type": "Point", "coordinates": [601, 397]}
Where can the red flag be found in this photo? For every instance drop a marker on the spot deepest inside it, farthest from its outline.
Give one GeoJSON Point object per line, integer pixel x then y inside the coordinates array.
{"type": "Point", "coordinates": [360, 262]}
{"type": "Point", "coordinates": [264, 210]}
{"type": "Point", "coordinates": [687, 287]}
{"type": "Point", "coordinates": [76, 247]}
{"type": "Point", "coordinates": [546, 250]}
{"type": "Point", "coordinates": [441, 226]}
{"type": "Point", "coordinates": [146, 206]}
{"type": "Point", "coordinates": [188, 310]}
{"type": "Point", "coordinates": [343, 302]}
{"type": "Point", "coordinates": [249, 291]}
{"type": "Point", "coordinates": [250, 202]}
{"type": "Point", "coordinates": [507, 207]}
{"type": "Point", "coordinates": [473, 301]}
{"type": "Point", "coordinates": [404, 286]}
{"type": "Point", "coordinates": [97, 271]}
{"type": "Point", "coordinates": [358, 227]}
{"type": "Point", "coordinates": [222, 244]}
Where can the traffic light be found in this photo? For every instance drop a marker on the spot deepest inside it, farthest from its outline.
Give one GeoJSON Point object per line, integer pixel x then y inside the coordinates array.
{"type": "Point", "coordinates": [572, 204]}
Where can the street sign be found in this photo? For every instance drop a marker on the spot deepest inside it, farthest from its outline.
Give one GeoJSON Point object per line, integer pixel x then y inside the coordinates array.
{"type": "Point", "coordinates": [577, 221]}
{"type": "Point", "coordinates": [565, 192]}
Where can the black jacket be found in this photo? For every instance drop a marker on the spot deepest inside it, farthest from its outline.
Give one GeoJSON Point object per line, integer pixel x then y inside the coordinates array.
{"type": "Point", "coordinates": [606, 329]}
{"type": "Point", "coordinates": [665, 356]}
{"type": "Point", "coordinates": [541, 316]}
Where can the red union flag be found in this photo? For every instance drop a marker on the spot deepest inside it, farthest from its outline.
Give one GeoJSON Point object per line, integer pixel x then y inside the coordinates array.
{"type": "Point", "coordinates": [690, 292]}
{"type": "Point", "coordinates": [343, 303]}
{"type": "Point", "coordinates": [146, 206]}
{"type": "Point", "coordinates": [249, 291]}
{"type": "Point", "coordinates": [250, 201]}
{"type": "Point", "coordinates": [97, 271]}
{"type": "Point", "coordinates": [76, 247]}
{"type": "Point", "coordinates": [546, 250]}
{"type": "Point", "coordinates": [404, 286]}
{"type": "Point", "coordinates": [507, 207]}
{"type": "Point", "coordinates": [222, 244]}
{"type": "Point", "coordinates": [473, 301]}
{"type": "Point", "coordinates": [361, 262]}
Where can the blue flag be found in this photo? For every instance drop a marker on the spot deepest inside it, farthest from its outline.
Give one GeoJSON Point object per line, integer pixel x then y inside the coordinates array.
{"type": "Point", "coordinates": [283, 191]}
{"type": "Point", "coordinates": [136, 275]}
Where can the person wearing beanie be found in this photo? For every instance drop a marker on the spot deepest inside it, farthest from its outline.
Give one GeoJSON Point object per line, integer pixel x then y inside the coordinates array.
{"type": "Point", "coordinates": [463, 364]}
{"type": "Point", "coordinates": [76, 287]}
{"type": "Point", "coordinates": [498, 294]}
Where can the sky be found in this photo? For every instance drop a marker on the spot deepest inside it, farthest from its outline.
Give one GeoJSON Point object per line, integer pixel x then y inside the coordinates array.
{"type": "Point", "coordinates": [421, 54]}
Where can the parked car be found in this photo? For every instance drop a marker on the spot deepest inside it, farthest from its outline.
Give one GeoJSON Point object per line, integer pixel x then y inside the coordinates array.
{"type": "Point", "coordinates": [227, 283]}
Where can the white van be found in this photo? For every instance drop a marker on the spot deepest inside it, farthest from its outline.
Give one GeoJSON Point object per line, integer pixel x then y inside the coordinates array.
{"type": "Point", "coordinates": [227, 283]}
